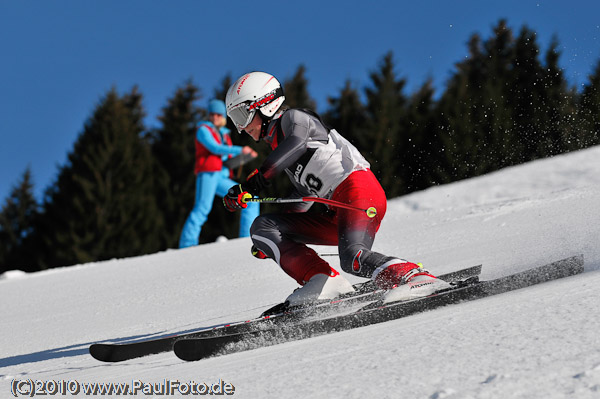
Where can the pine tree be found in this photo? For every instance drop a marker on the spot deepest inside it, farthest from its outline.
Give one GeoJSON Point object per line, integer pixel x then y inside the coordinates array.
{"type": "Point", "coordinates": [477, 126]}
{"type": "Point", "coordinates": [173, 148]}
{"type": "Point", "coordinates": [16, 225]}
{"type": "Point", "coordinates": [423, 149]}
{"type": "Point", "coordinates": [589, 112]}
{"type": "Point", "coordinates": [386, 145]}
{"type": "Point", "coordinates": [348, 116]}
{"type": "Point", "coordinates": [296, 91]}
{"type": "Point", "coordinates": [526, 97]}
{"type": "Point", "coordinates": [497, 147]}
{"type": "Point", "coordinates": [557, 109]}
{"type": "Point", "coordinates": [541, 102]}
{"type": "Point", "coordinates": [103, 204]}
{"type": "Point", "coordinates": [457, 108]}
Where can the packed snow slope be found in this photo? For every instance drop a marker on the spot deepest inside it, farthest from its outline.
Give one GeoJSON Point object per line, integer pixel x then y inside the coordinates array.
{"type": "Point", "coordinates": [538, 342]}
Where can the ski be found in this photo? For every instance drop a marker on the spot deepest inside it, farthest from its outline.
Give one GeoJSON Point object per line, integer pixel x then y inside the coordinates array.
{"type": "Point", "coordinates": [199, 348]}
{"type": "Point", "coordinates": [364, 292]}
{"type": "Point", "coordinates": [118, 352]}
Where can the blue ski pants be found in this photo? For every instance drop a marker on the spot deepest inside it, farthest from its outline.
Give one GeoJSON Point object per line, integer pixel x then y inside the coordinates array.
{"type": "Point", "coordinates": [209, 184]}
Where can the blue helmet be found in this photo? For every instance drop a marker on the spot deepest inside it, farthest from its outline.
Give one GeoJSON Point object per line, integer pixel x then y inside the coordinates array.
{"type": "Point", "coordinates": [217, 107]}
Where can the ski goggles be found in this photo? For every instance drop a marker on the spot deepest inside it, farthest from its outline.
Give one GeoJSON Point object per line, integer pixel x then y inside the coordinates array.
{"type": "Point", "coordinates": [241, 116]}
{"type": "Point", "coordinates": [243, 113]}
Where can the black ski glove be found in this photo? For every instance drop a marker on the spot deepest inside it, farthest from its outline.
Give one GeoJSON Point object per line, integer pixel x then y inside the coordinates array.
{"type": "Point", "coordinates": [236, 198]}
{"type": "Point", "coordinates": [255, 182]}
{"type": "Point", "coordinates": [237, 195]}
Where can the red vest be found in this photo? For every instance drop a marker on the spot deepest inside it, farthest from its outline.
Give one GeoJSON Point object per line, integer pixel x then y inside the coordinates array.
{"type": "Point", "coordinates": [206, 161]}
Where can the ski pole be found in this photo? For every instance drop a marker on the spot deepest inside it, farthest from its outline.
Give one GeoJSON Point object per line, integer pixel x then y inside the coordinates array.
{"type": "Point", "coordinates": [371, 211]}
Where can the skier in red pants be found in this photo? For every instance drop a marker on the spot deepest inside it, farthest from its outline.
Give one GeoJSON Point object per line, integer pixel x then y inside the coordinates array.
{"type": "Point", "coordinates": [320, 163]}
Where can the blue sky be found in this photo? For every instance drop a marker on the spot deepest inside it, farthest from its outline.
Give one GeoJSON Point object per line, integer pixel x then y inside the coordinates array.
{"type": "Point", "coordinates": [58, 58]}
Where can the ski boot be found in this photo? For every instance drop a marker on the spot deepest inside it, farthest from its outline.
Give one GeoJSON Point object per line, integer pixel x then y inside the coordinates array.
{"type": "Point", "coordinates": [406, 280]}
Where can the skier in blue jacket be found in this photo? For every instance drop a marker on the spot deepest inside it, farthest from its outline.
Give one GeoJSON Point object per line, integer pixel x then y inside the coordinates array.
{"type": "Point", "coordinates": [213, 146]}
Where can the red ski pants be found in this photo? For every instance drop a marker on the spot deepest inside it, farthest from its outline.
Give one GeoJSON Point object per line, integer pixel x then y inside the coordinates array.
{"type": "Point", "coordinates": [283, 237]}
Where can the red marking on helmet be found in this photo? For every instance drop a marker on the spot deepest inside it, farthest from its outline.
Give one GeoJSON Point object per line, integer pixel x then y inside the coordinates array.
{"type": "Point", "coordinates": [270, 79]}
{"type": "Point", "coordinates": [262, 101]}
{"type": "Point", "coordinates": [239, 88]}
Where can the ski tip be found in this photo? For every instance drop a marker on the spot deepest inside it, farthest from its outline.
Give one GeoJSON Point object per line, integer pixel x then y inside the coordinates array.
{"type": "Point", "coordinates": [102, 352]}
{"type": "Point", "coordinates": [188, 350]}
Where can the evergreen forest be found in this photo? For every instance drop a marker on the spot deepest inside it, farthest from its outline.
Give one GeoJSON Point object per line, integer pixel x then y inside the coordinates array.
{"type": "Point", "coordinates": [126, 189]}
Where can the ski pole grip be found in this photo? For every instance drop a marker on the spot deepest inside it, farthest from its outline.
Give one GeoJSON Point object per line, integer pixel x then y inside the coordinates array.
{"type": "Point", "coordinates": [246, 197]}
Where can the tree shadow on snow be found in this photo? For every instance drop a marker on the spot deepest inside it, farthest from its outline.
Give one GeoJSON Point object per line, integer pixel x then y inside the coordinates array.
{"type": "Point", "coordinates": [57, 353]}
{"type": "Point", "coordinates": [83, 349]}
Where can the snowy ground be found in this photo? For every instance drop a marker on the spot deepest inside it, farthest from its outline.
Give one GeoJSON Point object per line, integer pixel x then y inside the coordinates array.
{"type": "Point", "coordinates": [539, 342]}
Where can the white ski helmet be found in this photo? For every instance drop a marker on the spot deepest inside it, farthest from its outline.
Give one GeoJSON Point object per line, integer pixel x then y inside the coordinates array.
{"type": "Point", "coordinates": [253, 91]}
